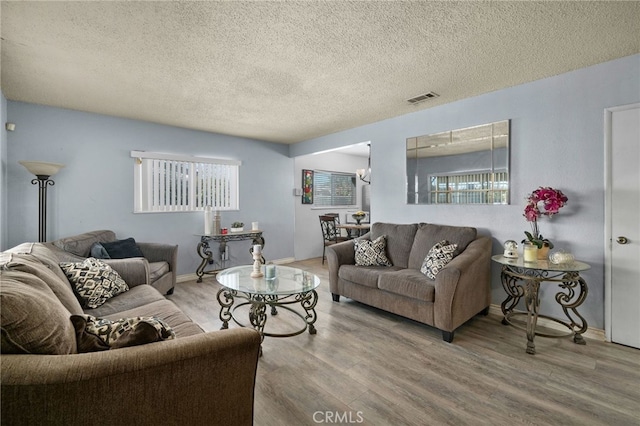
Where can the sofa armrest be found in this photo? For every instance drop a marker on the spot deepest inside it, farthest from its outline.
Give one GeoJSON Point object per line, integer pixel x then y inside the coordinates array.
{"type": "Point", "coordinates": [134, 270]}
{"type": "Point", "coordinates": [158, 252]}
{"type": "Point", "coordinates": [208, 378]}
{"type": "Point", "coordinates": [463, 287]}
{"type": "Point", "coordinates": [339, 254]}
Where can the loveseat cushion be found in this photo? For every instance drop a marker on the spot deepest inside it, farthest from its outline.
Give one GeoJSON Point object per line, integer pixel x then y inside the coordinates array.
{"type": "Point", "coordinates": [32, 318]}
{"type": "Point", "coordinates": [363, 275]}
{"type": "Point", "coordinates": [399, 240]}
{"type": "Point", "coordinates": [80, 245]}
{"type": "Point", "coordinates": [429, 234]}
{"type": "Point", "coordinates": [409, 283]}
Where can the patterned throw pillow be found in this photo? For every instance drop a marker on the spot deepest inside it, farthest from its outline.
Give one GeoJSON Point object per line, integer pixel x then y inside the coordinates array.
{"type": "Point", "coordinates": [94, 281]}
{"type": "Point", "coordinates": [437, 258]}
{"type": "Point", "coordinates": [95, 334]}
{"type": "Point", "coordinates": [372, 253]}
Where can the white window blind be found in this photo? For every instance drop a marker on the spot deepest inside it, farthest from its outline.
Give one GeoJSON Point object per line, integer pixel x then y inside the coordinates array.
{"type": "Point", "coordinates": [470, 188]}
{"type": "Point", "coordinates": [334, 188]}
{"type": "Point", "coordinates": [177, 183]}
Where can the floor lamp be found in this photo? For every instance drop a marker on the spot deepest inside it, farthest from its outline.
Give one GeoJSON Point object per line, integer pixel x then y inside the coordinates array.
{"type": "Point", "coordinates": [43, 172]}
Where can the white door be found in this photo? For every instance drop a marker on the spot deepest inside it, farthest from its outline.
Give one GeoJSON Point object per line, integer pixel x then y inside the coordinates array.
{"type": "Point", "coordinates": [624, 225]}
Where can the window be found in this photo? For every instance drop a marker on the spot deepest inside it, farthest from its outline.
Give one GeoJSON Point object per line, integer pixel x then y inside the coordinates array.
{"type": "Point", "coordinates": [334, 188]}
{"type": "Point", "coordinates": [471, 188]}
{"type": "Point", "coordinates": [172, 183]}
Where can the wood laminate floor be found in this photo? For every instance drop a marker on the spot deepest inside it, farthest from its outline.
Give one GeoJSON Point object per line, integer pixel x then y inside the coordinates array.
{"type": "Point", "coordinates": [365, 366]}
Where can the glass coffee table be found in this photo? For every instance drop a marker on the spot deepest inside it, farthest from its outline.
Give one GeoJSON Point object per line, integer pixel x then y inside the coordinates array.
{"type": "Point", "coordinates": [291, 286]}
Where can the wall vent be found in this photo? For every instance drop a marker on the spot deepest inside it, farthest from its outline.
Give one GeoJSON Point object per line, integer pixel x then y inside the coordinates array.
{"type": "Point", "coordinates": [421, 98]}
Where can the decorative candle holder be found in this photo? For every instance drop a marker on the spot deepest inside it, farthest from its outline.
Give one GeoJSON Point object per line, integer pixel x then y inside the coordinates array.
{"type": "Point", "coordinates": [257, 257]}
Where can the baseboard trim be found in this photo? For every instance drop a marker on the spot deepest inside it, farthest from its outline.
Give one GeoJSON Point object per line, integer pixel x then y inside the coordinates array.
{"type": "Point", "coordinates": [192, 277]}
{"type": "Point", "coordinates": [591, 333]}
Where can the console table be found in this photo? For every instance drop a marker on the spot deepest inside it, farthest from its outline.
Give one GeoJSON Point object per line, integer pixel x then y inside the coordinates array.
{"type": "Point", "coordinates": [205, 252]}
{"type": "Point", "coordinates": [522, 279]}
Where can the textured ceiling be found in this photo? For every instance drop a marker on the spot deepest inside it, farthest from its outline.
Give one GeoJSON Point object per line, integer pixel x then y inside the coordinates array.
{"type": "Point", "coordinates": [290, 71]}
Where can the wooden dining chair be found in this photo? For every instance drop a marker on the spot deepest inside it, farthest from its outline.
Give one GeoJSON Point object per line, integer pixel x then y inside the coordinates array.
{"type": "Point", "coordinates": [330, 234]}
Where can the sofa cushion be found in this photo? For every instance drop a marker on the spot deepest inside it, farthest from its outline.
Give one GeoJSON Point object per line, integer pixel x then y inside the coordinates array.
{"type": "Point", "coordinates": [429, 234]}
{"type": "Point", "coordinates": [371, 252]}
{"type": "Point", "coordinates": [437, 258]}
{"type": "Point", "coordinates": [32, 319]}
{"type": "Point", "coordinates": [399, 240]}
{"type": "Point", "coordinates": [409, 283]}
{"type": "Point", "coordinates": [52, 275]}
{"type": "Point", "coordinates": [80, 245]}
{"type": "Point", "coordinates": [122, 249]}
{"type": "Point", "coordinates": [137, 296]}
{"type": "Point", "coordinates": [96, 334]}
{"type": "Point", "coordinates": [94, 281]}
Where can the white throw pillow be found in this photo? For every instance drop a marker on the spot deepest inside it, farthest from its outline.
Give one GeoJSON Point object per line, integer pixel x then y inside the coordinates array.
{"type": "Point", "coordinates": [438, 257]}
{"type": "Point", "coordinates": [93, 281]}
{"type": "Point", "coordinates": [372, 253]}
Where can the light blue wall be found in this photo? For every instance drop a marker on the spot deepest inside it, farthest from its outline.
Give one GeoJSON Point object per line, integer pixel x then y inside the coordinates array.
{"type": "Point", "coordinates": [557, 140]}
{"type": "Point", "coordinates": [95, 189]}
{"type": "Point", "coordinates": [3, 173]}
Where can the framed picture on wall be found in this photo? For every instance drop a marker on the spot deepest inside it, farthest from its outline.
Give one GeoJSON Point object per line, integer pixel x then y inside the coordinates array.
{"type": "Point", "coordinates": [307, 186]}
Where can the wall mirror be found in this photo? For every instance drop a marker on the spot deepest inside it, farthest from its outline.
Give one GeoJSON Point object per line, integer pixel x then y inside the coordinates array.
{"type": "Point", "coordinates": [464, 166]}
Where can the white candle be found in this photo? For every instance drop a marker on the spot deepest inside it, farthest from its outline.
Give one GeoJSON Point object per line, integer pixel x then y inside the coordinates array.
{"type": "Point", "coordinates": [530, 252]}
{"type": "Point", "coordinates": [257, 248]}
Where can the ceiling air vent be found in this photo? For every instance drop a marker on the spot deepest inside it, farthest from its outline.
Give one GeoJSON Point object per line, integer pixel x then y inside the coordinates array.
{"type": "Point", "coordinates": [421, 98]}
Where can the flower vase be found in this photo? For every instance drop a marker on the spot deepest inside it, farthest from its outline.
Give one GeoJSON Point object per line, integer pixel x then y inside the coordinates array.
{"type": "Point", "coordinates": [543, 253]}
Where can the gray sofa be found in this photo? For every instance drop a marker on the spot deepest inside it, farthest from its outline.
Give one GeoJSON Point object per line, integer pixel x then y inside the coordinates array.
{"type": "Point", "coordinates": [196, 378]}
{"type": "Point", "coordinates": [160, 259]}
{"type": "Point", "coordinates": [461, 289]}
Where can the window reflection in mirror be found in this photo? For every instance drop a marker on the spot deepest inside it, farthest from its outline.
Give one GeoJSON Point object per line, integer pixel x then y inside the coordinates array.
{"type": "Point", "coordinates": [464, 166]}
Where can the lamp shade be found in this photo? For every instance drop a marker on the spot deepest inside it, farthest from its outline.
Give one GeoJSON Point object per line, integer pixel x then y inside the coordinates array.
{"type": "Point", "coordinates": [41, 168]}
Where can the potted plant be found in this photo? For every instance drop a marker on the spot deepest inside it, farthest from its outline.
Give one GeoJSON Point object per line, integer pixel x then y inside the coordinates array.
{"type": "Point", "coordinates": [544, 201]}
{"type": "Point", "coordinates": [237, 227]}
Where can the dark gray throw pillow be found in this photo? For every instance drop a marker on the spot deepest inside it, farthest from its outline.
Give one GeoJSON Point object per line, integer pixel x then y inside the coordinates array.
{"type": "Point", "coordinates": [99, 252]}
{"type": "Point", "coordinates": [123, 249]}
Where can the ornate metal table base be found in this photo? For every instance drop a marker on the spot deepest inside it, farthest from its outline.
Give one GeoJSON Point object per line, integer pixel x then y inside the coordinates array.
{"type": "Point", "coordinates": [519, 282]}
{"type": "Point", "coordinates": [206, 254]}
{"type": "Point", "coordinates": [258, 309]}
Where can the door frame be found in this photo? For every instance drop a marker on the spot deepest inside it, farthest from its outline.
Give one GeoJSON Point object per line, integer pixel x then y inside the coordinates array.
{"type": "Point", "coordinates": [608, 237]}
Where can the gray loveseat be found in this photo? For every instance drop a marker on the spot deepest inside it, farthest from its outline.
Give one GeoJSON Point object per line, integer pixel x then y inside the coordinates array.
{"type": "Point", "coordinates": [461, 289]}
{"type": "Point", "coordinates": [160, 259]}
{"type": "Point", "coordinates": [196, 378]}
